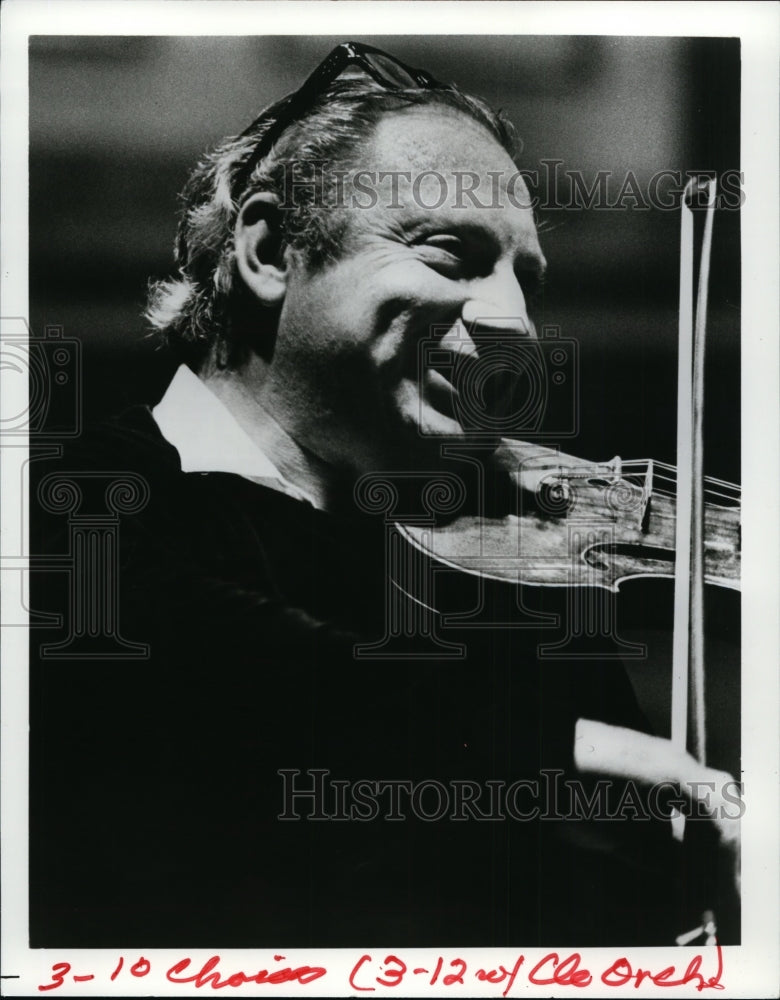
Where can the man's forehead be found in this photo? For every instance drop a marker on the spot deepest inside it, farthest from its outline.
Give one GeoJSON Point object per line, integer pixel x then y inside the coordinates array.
{"type": "Point", "coordinates": [435, 138]}
{"type": "Point", "coordinates": [435, 163]}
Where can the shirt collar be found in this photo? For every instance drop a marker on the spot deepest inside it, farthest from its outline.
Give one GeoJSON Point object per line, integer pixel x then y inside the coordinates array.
{"type": "Point", "coordinates": [209, 439]}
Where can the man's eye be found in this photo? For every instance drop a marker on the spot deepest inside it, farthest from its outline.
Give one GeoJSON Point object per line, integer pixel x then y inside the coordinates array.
{"type": "Point", "coordinates": [449, 254]}
{"type": "Point", "coordinates": [456, 256]}
{"type": "Point", "coordinates": [444, 241]}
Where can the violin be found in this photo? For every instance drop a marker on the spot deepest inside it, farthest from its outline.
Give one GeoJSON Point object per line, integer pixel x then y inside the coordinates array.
{"type": "Point", "coordinates": [580, 523]}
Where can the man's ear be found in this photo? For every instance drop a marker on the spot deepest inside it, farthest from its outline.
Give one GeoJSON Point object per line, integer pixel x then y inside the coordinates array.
{"type": "Point", "coordinates": [258, 249]}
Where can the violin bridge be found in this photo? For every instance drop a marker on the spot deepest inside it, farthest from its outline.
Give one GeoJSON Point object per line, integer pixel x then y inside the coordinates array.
{"type": "Point", "coordinates": [647, 493]}
{"type": "Point", "coordinates": [640, 483]}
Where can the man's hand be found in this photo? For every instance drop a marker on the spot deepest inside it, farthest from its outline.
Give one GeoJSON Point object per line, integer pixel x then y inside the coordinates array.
{"type": "Point", "coordinates": [625, 753]}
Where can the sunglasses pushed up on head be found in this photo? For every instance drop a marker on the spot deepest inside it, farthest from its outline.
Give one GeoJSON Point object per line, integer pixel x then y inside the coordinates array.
{"type": "Point", "coordinates": [385, 69]}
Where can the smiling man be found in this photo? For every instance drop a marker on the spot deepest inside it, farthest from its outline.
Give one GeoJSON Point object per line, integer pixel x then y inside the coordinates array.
{"type": "Point", "coordinates": [274, 782]}
{"type": "Point", "coordinates": [344, 384]}
{"type": "Point", "coordinates": [351, 286]}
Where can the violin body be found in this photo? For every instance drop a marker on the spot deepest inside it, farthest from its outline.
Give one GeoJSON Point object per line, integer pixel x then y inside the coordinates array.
{"type": "Point", "coordinates": [580, 523]}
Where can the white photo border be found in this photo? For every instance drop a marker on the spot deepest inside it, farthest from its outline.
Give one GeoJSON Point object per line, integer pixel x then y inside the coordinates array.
{"type": "Point", "coordinates": [753, 968]}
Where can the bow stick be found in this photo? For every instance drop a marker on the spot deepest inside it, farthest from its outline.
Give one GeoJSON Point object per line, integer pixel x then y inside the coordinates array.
{"type": "Point", "coordinates": [688, 643]}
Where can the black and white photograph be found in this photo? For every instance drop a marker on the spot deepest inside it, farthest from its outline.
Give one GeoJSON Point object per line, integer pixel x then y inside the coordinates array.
{"type": "Point", "coordinates": [389, 450]}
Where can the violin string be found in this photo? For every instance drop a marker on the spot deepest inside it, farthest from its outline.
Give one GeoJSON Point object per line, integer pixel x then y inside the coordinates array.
{"type": "Point", "coordinates": [732, 497]}
{"type": "Point", "coordinates": [724, 484]}
{"type": "Point", "coordinates": [725, 490]}
{"type": "Point", "coordinates": [716, 493]}
{"type": "Point", "coordinates": [634, 472]}
{"type": "Point", "coordinates": [638, 468]}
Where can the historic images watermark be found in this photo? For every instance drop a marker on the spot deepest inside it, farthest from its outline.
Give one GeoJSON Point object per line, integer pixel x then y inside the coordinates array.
{"type": "Point", "coordinates": [43, 412]}
{"type": "Point", "coordinates": [506, 380]}
{"type": "Point", "coordinates": [316, 796]}
{"type": "Point", "coordinates": [555, 187]}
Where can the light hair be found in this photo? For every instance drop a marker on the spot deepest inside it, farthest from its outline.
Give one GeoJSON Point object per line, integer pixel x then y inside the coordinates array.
{"type": "Point", "coordinates": [207, 312]}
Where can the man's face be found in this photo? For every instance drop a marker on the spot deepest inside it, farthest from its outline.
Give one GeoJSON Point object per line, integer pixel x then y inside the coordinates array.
{"type": "Point", "coordinates": [356, 377]}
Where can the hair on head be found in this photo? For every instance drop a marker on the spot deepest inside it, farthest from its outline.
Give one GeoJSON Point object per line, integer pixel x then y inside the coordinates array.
{"type": "Point", "coordinates": [206, 312]}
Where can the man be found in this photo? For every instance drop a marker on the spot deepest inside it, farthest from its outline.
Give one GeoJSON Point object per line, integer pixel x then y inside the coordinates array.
{"type": "Point", "coordinates": [274, 773]}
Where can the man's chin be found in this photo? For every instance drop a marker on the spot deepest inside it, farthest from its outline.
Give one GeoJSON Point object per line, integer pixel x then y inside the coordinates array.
{"type": "Point", "coordinates": [432, 429]}
{"type": "Point", "coordinates": [434, 437]}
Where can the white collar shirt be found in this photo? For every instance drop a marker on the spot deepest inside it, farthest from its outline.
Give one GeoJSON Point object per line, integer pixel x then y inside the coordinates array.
{"type": "Point", "coordinates": [208, 438]}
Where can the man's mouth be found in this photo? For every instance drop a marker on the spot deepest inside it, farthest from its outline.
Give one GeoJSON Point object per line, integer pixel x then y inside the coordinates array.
{"type": "Point", "coordinates": [440, 391]}
{"type": "Point", "coordinates": [475, 392]}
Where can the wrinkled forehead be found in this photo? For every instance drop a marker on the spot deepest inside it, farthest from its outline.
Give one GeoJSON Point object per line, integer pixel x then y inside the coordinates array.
{"type": "Point", "coordinates": [436, 137]}
{"type": "Point", "coordinates": [439, 162]}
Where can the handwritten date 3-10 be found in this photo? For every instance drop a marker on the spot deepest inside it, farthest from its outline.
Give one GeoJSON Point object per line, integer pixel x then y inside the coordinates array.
{"type": "Point", "coordinates": [369, 974]}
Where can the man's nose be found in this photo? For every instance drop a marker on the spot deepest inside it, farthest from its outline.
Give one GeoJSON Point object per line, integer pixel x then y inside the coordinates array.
{"type": "Point", "coordinates": [497, 304]}
{"type": "Point", "coordinates": [484, 324]}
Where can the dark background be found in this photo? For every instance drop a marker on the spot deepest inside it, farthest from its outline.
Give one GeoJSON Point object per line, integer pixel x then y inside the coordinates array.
{"type": "Point", "coordinates": [116, 123]}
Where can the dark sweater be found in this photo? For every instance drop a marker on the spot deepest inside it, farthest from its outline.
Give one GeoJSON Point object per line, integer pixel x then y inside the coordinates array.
{"type": "Point", "coordinates": [155, 784]}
